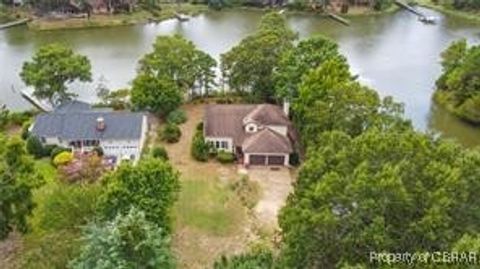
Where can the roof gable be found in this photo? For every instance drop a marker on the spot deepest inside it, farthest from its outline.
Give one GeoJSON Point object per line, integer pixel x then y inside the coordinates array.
{"type": "Point", "coordinates": [267, 141]}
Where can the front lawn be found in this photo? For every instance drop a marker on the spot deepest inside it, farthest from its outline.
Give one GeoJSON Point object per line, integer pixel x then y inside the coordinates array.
{"type": "Point", "coordinates": [209, 207]}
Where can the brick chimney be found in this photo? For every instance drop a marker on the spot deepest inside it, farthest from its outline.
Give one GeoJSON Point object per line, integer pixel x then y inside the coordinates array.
{"type": "Point", "coordinates": [100, 124]}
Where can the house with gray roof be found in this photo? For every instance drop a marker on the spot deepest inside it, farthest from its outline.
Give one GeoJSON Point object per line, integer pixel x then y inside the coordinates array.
{"type": "Point", "coordinates": [78, 126]}
{"type": "Point", "coordinates": [257, 134]}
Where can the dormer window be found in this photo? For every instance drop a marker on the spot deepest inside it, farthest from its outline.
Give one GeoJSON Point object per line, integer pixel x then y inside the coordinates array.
{"type": "Point", "coordinates": [251, 128]}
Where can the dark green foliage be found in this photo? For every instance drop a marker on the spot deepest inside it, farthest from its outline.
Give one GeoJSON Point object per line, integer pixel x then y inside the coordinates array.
{"type": "Point", "coordinates": [179, 60]}
{"type": "Point", "coordinates": [170, 133]}
{"type": "Point", "coordinates": [259, 259]}
{"type": "Point", "coordinates": [382, 190]}
{"type": "Point", "coordinates": [17, 180]}
{"type": "Point", "coordinates": [330, 100]}
{"type": "Point", "coordinates": [160, 152]}
{"type": "Point", "coordinates": [151, 186]}
{"type": "Point", "coordinates": [52, 67]}
{"type": "Point", "coordinates": [249, 66]}
{"type": "Point", "coordinates": [458, 88]}
{"type": "Point", "coordinates": [4, 117]}
{"type": "Point", "coordinates": [99, 151]}
{"type": "Point", "coordinates": [20, 118]}
{"type": "Point", "coordinates": [225, 157]}
{"type": "Point", "coordinates": [48, 149]}
{"type": "Point", "coordinates": [465, 4]}
{"type": "Point", "coordinates": [294, 159]}
{"type": "Point", "coordinates": [200, 149]}
{"type": "Point", "coordinates": [199, 127]}
{"type": "Point", "coordinates": [129, 241]}
{"type": "Point", "coordinates": [35, 147]}
{"type": "Point", "coordinates": [177, 116]}
{"type": "Point", "coordinates": [308, 54]}
{"type": "Point", "coordinates": [25, 133]}
{"type": "Point", "coordinates": [157, 95]}
{"type": "Point", "coordinates": [380, 5]}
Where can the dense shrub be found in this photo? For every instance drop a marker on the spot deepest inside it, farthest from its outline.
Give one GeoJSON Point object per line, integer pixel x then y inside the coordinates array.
{"type": "Point", "coordinates": [171, 133]}
{"type": "Point", "coordinates": [294, 159]}
{"type": "Point", "coordinates": [160, 153]}
{"type": "Point", "coordinates": [177, 116]}
{"type": "Point", "coordinates": [98, 151]}
{"type": "Point", "coordinates": [261, 258]}
{"type": "Point", "coordinates": [25, 133]}
{"type": "Point", "coordinates": [35, 147]}
{"type": "Point", "coordinates": [128, 241]}
{"type": "Point", "coordinates": [65, 207]}
{"type": "Point", "coordinates": [200, 126]}
{"type": "Point", "coordinates": [62, 210]}
{"type": "Point", "coordinates": [55, 151]}
{"type": "Point", "coordinates": [225, 157]}
{"type": "Point", "coordinates": [48, 149]}
{"type": "Point", "coordinates": [19, 118]}
{"type": "Point", "coordinates": [152, 186]}
{"type": "Point", "coordinates": [200, 148]}
{"type": "Point", "coordinates": [62, 158]}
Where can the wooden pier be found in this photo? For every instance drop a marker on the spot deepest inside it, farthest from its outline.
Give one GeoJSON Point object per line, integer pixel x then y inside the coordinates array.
{"type": "Point", "coordinates": [338, 18]}
{"type": "Point", "coordinates": [14, 23]}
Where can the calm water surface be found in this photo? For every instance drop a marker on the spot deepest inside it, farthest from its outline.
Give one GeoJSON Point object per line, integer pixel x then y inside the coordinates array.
{"type": "Point", "coordinates": [393, 53]}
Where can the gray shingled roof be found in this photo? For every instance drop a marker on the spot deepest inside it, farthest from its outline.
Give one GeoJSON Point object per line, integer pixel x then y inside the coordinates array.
{"type": "Point", "coordinates": [72, 106]}
{"type": "Point", "coordinates": [82, 125]}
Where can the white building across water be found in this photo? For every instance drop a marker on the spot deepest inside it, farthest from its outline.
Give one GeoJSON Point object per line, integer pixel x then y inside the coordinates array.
{"type": "Point", "coordinates": [78, 126]}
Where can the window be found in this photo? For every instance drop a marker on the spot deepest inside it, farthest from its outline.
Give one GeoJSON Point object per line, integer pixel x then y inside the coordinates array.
{"type": "Point", "coordinates": [43, 139]}
{"type": "Point", "coordinates": [217, 144]}
{"type": "Point", "coordinates": [224, 144]}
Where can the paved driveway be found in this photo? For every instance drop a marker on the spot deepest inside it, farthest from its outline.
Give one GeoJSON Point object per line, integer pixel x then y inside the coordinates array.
{"type": "Point", "coordinates": [276, 185]}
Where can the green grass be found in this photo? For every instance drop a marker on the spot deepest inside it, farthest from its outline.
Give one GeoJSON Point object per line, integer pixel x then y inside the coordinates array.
{"type": "Point", "coordinates": [46, 169]}
{"type": "Point", "coordinates": [469, 15]}
{"type": "Point", "coordinates": [209, 206]}
{"type": "Point", "coordinates": [167, 11]}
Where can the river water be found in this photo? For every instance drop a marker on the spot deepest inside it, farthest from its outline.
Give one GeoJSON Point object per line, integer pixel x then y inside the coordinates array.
{"type": "Point", "coordinates": [393, 53]}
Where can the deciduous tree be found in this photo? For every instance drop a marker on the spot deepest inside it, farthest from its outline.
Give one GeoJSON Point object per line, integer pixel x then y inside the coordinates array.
{"type": "Point", "coordinates": [129, 241]}
{"type": "Point", "coordinates": [152, 186]}
{"type": "Point", "coordinates": [380, 191]}
{"type": "Point", "coordinates": [249, 66]}
{"type": "Point", "coordinates": [17, 180]}
{"type": "Point", "coordinates": [53, 67]}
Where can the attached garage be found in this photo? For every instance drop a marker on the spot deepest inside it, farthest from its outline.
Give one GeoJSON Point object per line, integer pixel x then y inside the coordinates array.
{"type": "Point", "coordinates": [258, 159]}
{"type": "Point", "coordinates": [276, 160]}
{"type": "Point", "coordinates": [266, 159]}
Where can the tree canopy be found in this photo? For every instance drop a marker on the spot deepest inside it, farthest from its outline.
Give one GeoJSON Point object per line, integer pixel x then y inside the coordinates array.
{"type": "Point", "coordinates": [173, 69]}
{"type": "Point", "coordinates": [151, 185]}
{"type": "Point", "coordinates": [52, 67]}
{"type": "Point", "coordinates": [17, 180]}
{"type": "Point", "coordinates": [329, 99]}
{"type": "Point", "coordinates": [458, 88]}
{"type": "Point", "coordinates": [249, 66]}
{"type": "Point", "coordinates": [380, 191]}
{"type": "Point", "coordinates": [129, 241]}
{"type": "Point", "coordinates": [177, 59]}
{"type": "Point", "coordinates": [307, 54]}
{"type": "Point", "coordinates": [158, 95]}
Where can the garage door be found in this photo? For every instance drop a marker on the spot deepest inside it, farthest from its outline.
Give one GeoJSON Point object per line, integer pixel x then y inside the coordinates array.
{"type": "Point", "coordinates": [257, 159]}
{"type": "Point", "coordinates": [276, 160]}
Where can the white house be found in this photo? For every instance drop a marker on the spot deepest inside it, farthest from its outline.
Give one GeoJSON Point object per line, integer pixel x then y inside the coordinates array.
{"type": "Point", "coordinates": [257, 134]}
{"type": "Point", "coordinates": [80, 127]}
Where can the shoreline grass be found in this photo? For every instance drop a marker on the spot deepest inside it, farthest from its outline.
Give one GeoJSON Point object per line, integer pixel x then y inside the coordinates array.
{"type": "Point", "coordinates": [141, 16]}
{"type": "Point", "coordinates": [473, 16]}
